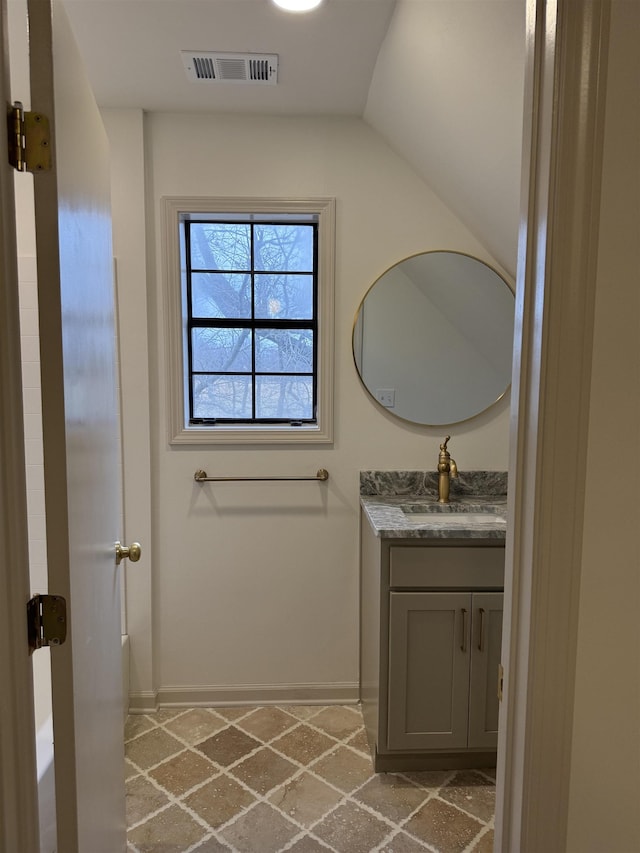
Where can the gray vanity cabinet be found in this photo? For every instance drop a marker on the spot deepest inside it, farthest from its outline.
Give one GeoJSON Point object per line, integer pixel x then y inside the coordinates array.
{"type": "Point", "coordinates": [431, 632]}
{"type": "Point", "coordinates": [444, 652]}
{"type": "Point", "coordinates": [486, 648]}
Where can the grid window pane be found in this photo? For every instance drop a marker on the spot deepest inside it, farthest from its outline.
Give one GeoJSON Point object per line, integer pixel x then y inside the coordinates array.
{"type": "Point", "coordinates": [284, 350]}
{"type": "Point", "coordinates": [284, 397]}
{"type": "Point", "coordinates": [283, 297]}
{"type": "Point", "coordinates": [220, 246]}
{"type": "Point", "coordinates": [251, 322]}
{"type": "Point", "coordinates": [222, 397]}
{"type": "Point", "coordinates": [221, 350]}
{"type": "Point", "coordinates": [283, 247]}
{"type": "Point", "coordinates": [220, 295]}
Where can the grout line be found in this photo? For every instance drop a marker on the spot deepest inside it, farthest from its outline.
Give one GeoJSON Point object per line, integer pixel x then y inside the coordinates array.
{"type": "Point", "coordinates": [217, 770]}
{"type": "Point", "coordinates": [474, 842]}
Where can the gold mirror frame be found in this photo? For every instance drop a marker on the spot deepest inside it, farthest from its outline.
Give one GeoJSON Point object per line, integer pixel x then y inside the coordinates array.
{"type": "Point", "coordinates": [458, 305]}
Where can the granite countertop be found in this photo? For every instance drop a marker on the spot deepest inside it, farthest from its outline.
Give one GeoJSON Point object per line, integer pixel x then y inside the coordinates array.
{"type": "Point", "coordinates": [384, 495]}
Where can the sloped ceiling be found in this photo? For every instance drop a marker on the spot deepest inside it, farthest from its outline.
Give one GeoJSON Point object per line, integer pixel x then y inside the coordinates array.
{"type": "Point", "coordinates": [132, 52]}
{"type": "Point", "coordinates": [440, 80]}
{"type": "Point", "coordinates": [447, 94]}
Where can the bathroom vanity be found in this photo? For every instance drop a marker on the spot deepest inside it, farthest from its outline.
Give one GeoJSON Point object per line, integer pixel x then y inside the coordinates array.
{"type": "Point", "coordinates": [432, 581]}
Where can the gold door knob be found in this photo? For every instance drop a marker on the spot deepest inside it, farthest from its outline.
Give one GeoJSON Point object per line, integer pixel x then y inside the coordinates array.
{"type": "Point", "coordinates": [132, 553]}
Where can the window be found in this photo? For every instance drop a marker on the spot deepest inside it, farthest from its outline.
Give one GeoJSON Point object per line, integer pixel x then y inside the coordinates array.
{"type": "Point", "coordinates": [251, 321]}
{"type": "Point", "coordinates": [249, 297]}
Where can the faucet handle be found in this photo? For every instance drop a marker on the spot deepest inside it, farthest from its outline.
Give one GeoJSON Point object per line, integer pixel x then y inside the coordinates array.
{"type": "Point", "coordinates": [443, 446]}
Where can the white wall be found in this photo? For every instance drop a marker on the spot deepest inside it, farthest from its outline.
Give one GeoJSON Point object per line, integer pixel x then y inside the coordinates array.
{"type": "Point", "coordinates": [126, 136]}
{"type": "Point", "coordinates": [255, 585]}
{"type": "Point", "coordinates": [605, 770]}
{"type": "Point", "coordinates": [447, 93]}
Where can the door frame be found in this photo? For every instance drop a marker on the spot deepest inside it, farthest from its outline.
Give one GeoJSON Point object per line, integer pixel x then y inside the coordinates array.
{"type": "Point", "coordinates": [567, 46]}
{"type": "Point", "coordinates": [18, 775]}
{"type": "Point", "coordinates": [562, 147]}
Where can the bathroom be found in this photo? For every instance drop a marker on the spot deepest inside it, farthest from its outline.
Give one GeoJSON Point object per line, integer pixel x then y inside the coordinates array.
{"type": "Point", "coordinates": [280, 607]}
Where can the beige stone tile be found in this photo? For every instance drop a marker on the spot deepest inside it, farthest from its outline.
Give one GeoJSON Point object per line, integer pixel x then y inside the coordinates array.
{"type": "Point", "coordinates": [303, 744]}
{"type": "Point", "coordinates": [234, 713]}
{"type": "Point", "coordinates": [305, 799]}
{"type": "Point", "coordinates": [308, 845]}
{"type": "Point", "coordinates": [344, 768]}
{"type": "Point", "coordinates": [183, 772]}
{"type": "Point", "coordinates": [351, 829]}
{"type": "Point", "coordinates": [219, 800]}
{"type": "Point", "coordinates": [473, 793]}
{"type": "Point", "coordinates": [163, 715]}
{"type": "Point", "coordinates": [152, 748]}
{"type": "Point", "coordinates": [267, 723]}
{"type": "Point", "coordinates": [430, 780]}
{"type": "Point", "coordinates": [129, 770]}
{"type": "Point", "coordinates": [228, 746]}
{"type": "Point", "coordinates": [484, 844]}
{"type": "Point", "coordinates": [302, 712]}
{"type": "Point", "coordinates": [391, 795]}
{"type": "Point", "coordinates": [359, 741]}
{"type": "Point", "coordinates": [196, 725]}
{"type": "Point", "coordinates": [142, 799]}
{"type": "Point", "coordinates": [339, 721]}
{"type": "Point", "coordinates": [233, 737]}
{"type": "Point", "coordinates": [137, 724]}
{"type": "Point", "coordinates": [443, 826]}
{"type": "Point", "coordinates": [212, 845]}
{"type": "Point", "coordinates": [170, 831]}
{"type": "Point", "coordinates": [264, 770]}
{"type": "Point", "coordinates": [402, 843]}
{"type": "Point", "coordinates": [261, 830]}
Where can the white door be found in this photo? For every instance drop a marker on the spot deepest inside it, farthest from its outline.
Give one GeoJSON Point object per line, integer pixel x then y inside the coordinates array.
{"type": "Point", "coordinates": [18, 798]}
{"type": "Point", "coordinates": [80, 436]}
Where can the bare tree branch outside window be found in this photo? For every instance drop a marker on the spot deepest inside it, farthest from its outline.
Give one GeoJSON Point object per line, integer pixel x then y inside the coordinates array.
{"type": "Point", "coordinates": [252, 299]}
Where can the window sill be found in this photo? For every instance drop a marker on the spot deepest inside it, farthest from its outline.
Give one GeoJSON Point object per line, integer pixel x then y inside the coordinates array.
{"type": "Point", "coordinates": [263, 434]}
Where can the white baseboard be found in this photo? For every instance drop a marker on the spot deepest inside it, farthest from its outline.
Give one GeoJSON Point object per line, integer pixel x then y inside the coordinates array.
{"type": "Point", "coordinates": [143, 703]}
{"type": "Point", "coordinates": [336, 693]}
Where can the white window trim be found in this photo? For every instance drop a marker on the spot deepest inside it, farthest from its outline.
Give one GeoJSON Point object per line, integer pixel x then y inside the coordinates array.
{"type": "Point", "coordinates": [180, 433]}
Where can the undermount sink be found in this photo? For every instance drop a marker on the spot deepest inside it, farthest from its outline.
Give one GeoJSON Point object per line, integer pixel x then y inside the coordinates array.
{"type": "Point", "coordinates": [455, 518]}
{"type": "Point", "coordinates": [454, 514]}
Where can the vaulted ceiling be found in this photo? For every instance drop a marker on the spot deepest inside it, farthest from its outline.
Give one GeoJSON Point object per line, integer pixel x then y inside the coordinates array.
{"type": "Point", "coordinates": [440, 80]}
{"type": "Point", "coordinates": [447, 94]}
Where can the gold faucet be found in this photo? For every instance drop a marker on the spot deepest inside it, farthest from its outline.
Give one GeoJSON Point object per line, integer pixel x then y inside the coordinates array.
{"type": "Point", "coordinates": [447, 468]}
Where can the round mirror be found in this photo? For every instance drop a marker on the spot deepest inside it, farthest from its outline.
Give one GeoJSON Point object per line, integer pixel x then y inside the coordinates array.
{"type": "Point", "coordinates": [433, 338]}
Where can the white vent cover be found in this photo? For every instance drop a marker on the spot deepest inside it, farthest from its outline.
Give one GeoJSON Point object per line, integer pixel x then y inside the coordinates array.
{"type": "Point", "coordinates": [216, 67]}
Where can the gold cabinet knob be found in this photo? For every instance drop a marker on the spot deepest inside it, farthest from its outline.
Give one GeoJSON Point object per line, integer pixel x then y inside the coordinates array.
{"type": "Point", "coordinates": [132, 553]}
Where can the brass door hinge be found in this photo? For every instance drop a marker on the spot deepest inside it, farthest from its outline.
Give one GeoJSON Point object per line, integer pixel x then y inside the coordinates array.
{"type": "Point", "coordinates": [29, 140]}
{"type": "Point", "coordinates": [46, 621]}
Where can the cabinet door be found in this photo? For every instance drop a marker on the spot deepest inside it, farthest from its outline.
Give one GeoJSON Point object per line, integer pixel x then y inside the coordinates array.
{"type": "Point", "coordinates": [429, 637]}
{"type": "Point", "coordinates": [486, 642]}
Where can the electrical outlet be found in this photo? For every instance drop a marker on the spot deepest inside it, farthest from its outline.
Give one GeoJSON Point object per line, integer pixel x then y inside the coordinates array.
{"type": "Point", "coordinates": [386, 396]}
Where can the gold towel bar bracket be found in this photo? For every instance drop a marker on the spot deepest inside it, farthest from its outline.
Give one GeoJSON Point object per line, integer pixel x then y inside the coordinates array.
{"type": "Point", "coordinates": [201, 477]}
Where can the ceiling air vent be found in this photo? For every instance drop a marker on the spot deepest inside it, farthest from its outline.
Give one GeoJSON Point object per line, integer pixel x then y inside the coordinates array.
{"type": "Point", "coordinates": [215, 67]}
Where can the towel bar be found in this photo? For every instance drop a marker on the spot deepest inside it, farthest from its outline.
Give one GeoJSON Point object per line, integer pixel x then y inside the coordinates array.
{"type": "Point", "coordinates": [201, 477]}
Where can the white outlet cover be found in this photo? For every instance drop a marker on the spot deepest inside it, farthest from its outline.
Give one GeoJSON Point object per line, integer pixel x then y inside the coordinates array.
{"type": "Point", "coordinates": [386, 397]}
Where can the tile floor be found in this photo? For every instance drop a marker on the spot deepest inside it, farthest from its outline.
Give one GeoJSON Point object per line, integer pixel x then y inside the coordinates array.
{"type": "Point", "coordinates": [280, 778]}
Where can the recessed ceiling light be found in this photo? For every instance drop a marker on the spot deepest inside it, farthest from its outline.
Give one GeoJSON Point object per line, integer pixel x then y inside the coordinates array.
{"type": "Point", "coordinates": [297, 5]}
